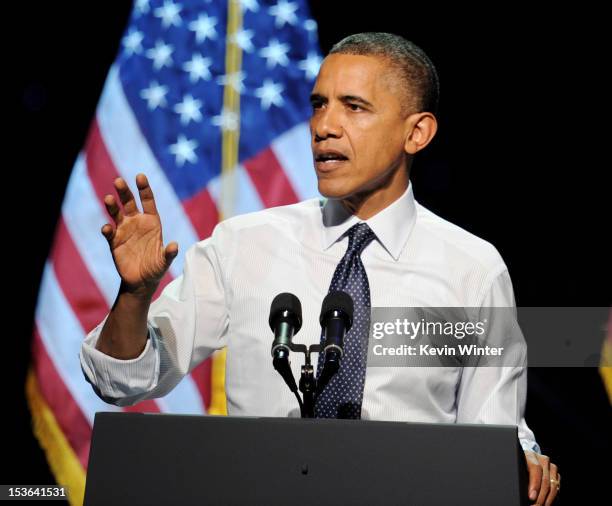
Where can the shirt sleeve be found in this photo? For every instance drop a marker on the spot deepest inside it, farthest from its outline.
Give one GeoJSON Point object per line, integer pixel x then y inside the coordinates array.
{"type": "Point", "coordinates": [186, 324]}
{"type": "Point", "coordinates": [496, 393]}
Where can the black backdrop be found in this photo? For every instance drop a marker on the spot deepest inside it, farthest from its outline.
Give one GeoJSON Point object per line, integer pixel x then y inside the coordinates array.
{"type": "Point", "coordinates": [520, 160]}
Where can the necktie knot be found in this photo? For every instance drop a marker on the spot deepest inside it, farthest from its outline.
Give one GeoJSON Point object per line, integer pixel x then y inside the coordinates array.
{"type": "Point", "coordinates": [360, 235]}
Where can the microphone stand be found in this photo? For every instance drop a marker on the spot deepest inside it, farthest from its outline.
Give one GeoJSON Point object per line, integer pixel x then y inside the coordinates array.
{"type": "Point", "coordinates": [308, 382]}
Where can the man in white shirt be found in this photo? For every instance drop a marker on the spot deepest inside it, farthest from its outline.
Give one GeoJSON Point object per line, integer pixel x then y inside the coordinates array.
{"type": "Point", "coordinates": [373, 110]}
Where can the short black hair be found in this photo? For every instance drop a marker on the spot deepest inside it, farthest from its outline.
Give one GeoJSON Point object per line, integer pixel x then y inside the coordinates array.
{"type": "Point", "coordinates": [415, 67]}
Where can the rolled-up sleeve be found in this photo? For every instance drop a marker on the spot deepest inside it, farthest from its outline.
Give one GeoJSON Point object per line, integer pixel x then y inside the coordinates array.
{"type": "Point", "coordinates": [496, 392]}
{"type": "Point", "coordinates": [186, 324]}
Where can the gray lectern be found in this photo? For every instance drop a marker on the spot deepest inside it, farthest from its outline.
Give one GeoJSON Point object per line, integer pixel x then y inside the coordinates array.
{"type": "Point", "coordinates": [159, 459]}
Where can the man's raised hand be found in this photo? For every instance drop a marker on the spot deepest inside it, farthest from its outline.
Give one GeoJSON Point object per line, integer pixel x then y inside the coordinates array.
{"type": "Point", "coordinates": [136, 241]}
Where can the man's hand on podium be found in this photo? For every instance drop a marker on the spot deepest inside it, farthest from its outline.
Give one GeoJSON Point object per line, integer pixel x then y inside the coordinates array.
{"type": "Point", "coordinates": [136, 243]}
{"type": "Point", "coordinates": [544, 478]}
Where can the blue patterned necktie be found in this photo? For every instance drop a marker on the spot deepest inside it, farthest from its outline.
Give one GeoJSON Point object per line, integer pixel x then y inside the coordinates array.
{"type": "Point", "coordinates": [343, 394]}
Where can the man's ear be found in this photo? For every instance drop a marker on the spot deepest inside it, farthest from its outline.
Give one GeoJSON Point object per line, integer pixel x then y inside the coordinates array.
{"type": "Point", "coordinates": [421, 128]}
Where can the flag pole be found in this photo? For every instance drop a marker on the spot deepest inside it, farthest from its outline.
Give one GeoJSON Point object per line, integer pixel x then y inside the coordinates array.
{"type": "Point", "coordinates": [229, 161]}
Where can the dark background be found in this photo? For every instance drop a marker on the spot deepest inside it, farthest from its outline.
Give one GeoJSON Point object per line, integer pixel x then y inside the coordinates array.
{"type": "Point", "coordinates": [520, 159]}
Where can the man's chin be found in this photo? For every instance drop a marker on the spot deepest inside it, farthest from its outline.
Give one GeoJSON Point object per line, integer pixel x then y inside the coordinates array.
{"type": "Point", "coordinates": [334, 189]}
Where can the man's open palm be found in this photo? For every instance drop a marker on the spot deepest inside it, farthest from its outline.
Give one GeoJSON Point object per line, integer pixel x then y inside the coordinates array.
{"type": "Point", "coordinates": [136, 242]}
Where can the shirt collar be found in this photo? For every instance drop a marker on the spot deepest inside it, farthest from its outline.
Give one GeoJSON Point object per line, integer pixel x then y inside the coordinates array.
{"type": "Point", "coordinates": [392, 225]}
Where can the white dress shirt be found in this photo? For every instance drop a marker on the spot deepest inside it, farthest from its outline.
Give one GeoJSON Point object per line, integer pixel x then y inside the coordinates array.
{"type": "Point", "coordinates": [229, 280]}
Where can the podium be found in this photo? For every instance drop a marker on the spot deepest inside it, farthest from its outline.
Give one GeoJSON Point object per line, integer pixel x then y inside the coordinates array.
{"type": "Point", "coordinates": [161, 459]}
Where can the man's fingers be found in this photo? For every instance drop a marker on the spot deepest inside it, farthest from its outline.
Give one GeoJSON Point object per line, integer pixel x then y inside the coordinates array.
{"type": "Point", "coordinates": [170, 252]}
{"type": "Point", "coordinates": [113, 209]}
{"type": "Point", "coordinates": [545, 486]}
{"type": "Point", "coordinates": [554, 487]}
{"type": "Point", "coordinates": [146, 194]}
{"type": "Point", "coordinates": [108, 232]}
{"type": "Point", "coordinates": [126, 197]}
{"type": "Point", "coordinates": [535, 474]}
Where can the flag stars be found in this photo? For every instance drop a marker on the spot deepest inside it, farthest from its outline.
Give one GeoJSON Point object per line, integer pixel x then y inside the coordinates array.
{"type": "Point", "coordinates": [227, 120]}
{"type": "Point", "coordinates": [311, 65]}
{"type": "Point", "coordinates": [243, 39]}
{"type": "Point", "coordinates": [198, 68]}
{"type": "Point", "coordinates": [275, 54]}
{"type": "Point", "coordinates": [270, 94]}
{"type": "Point", "coordinates": [169, 14]}
{"type": "Point", "coordinates": [155, 95]}
{"type": "Point", "coordinates": [184, 150]}
{"type": "Point", "coordinates": [161, 55]}
{"type": "Point", "coordinates": [284, 12]}
{"type": "Point", "coordinates": [132, 42]}
{"type": "Point", "coordinates": [204, 28]}
{"type": "Point", "coordinates": [142, 6]}
{"type": "Point", "coordinates": [234, 80]}
{"type": "Point", "coordinates": [189, 109]}
{"type": "Point", "coordinates": [310, 25]}
{"type": "Point", "coordinates": [249, 5]}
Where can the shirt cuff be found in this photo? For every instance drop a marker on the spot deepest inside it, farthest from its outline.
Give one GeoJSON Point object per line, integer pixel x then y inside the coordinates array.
{"type": "Point", "coordinates": [528, 444]}
{"type": "Point", "coordinates": [116, 381]}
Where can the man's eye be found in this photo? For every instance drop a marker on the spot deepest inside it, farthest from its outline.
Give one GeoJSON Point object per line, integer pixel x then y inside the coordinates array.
{"type": "Point", "coordinates": [354, 107]}
{"type": "Point", "coordinates": [316, 105]}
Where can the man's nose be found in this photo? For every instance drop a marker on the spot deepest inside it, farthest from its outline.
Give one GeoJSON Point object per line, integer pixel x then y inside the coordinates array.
{"type": "Point", "coordinates": [328, 124]}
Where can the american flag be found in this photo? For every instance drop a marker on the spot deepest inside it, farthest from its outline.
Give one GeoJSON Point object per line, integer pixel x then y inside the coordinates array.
{"type": "Point", "coordinates": [210, 101]}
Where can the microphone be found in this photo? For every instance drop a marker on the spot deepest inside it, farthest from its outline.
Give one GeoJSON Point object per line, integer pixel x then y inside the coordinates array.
{"type": "Point", "coordinates": [285, 321]}
{"type": "Point", "coordinates": [336, 320]}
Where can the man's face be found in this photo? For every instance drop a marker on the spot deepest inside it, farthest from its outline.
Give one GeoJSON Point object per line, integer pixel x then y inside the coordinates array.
{"type": "Point", "coordinates": [357, 127]}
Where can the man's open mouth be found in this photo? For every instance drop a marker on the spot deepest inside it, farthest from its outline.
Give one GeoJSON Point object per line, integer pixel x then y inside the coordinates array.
{"type": "Point", "coordinates": [330, 157]}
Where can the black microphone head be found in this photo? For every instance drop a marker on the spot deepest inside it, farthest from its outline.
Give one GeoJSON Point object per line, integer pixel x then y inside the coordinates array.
{"type": "Point", "coordinates": [286, 305]}
{"type": "Point", "coordinates": [338, 301]}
